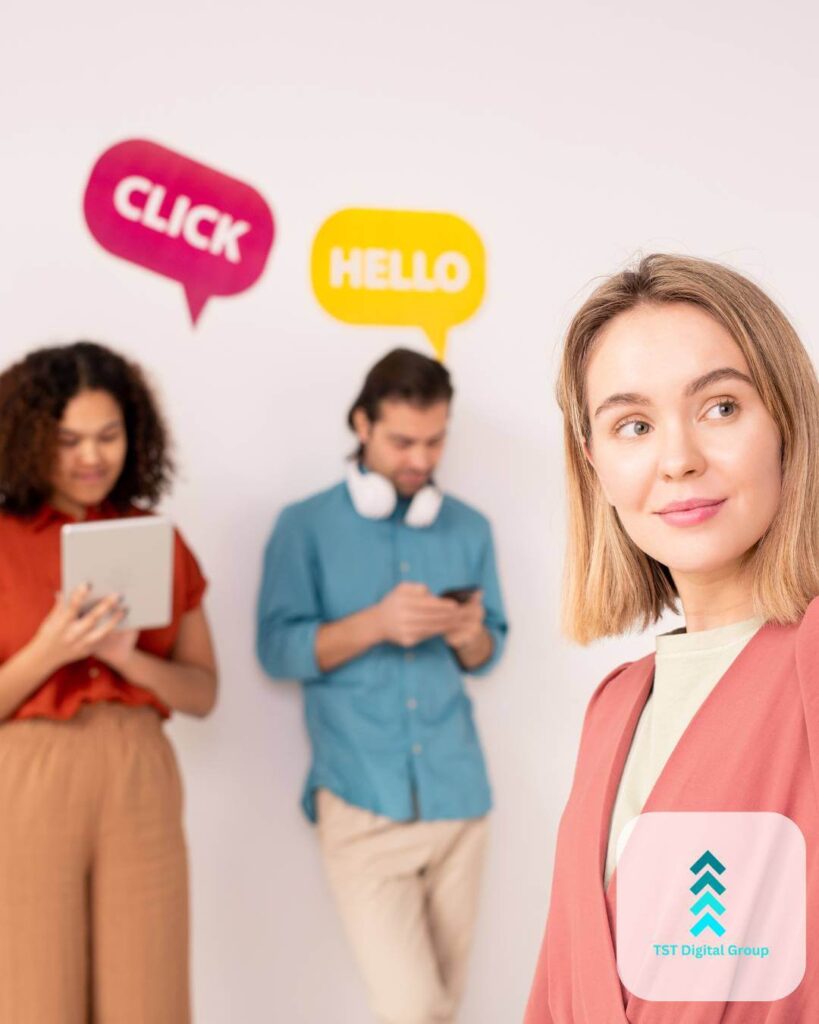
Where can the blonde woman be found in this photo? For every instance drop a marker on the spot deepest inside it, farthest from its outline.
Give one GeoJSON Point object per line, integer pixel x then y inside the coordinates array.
{"type": "Point", "coordinates": [691, 417]}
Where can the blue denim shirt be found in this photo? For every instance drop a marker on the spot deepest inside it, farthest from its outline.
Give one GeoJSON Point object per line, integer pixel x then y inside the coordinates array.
{"type": "Point", "coordinates": [392, 729]}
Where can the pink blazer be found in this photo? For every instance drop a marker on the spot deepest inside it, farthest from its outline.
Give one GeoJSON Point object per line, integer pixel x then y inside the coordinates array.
{"type": "Point", "coordinates": [753, 745]}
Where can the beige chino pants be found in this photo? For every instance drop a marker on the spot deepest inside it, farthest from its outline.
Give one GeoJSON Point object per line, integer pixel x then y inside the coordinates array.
{"type": "Point", "coordinates": [407, 893]}
{"type": "Point", "coordinates": [93, 871]}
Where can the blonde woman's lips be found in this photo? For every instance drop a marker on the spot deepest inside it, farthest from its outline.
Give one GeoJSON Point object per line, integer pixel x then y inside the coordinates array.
{"type": "Point", "coordinates": [692, 516]}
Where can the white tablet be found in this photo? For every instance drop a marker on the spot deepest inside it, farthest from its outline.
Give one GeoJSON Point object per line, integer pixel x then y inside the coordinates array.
{"type": "Point", "coordinates": [131, 556]}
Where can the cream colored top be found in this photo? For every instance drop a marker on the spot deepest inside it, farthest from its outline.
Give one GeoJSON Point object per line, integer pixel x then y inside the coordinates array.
{"type": "Point", "coordinates": [687, 668]}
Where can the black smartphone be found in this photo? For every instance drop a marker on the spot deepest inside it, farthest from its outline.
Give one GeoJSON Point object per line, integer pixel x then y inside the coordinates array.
{"type": "Point", "coordinates": [459, 594]}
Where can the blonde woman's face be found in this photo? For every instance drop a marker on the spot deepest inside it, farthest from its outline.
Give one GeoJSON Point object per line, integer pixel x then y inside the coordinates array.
{"type": "Point", "coordinates": [676, 418]}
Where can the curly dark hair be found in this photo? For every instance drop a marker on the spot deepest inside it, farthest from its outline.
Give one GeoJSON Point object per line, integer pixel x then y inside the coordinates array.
{"type": "Point", "coordinates": [33, 395]}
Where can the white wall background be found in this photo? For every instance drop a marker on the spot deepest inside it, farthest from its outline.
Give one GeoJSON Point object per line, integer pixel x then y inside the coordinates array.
{"type": "Point", "coordinates": [570, 136]}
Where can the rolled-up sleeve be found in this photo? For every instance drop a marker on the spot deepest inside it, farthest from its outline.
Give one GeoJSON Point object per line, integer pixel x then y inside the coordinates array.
{"type": "Point", "coordinates": [288, 610]}
{"type": "Point", "coordinates": [495, 617]}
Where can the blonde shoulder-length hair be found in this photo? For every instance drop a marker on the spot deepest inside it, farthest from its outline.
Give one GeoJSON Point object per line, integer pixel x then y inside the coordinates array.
{"type": "Point", "coordinates": [610, 585]}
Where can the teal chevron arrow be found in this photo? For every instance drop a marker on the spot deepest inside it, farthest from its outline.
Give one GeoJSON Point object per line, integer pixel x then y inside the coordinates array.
{"type": "Point", "coordinates": [707, 879]}
{"type": "Point", "coordinates": [707, 921]}
{"type": "Point", "coordinates": [707, 900]}
{"type": "Point", "coordinates": [707, 860]}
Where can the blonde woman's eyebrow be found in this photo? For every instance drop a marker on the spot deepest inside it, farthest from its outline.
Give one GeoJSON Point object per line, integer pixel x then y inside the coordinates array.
{"type": "Point", "coordinates": [691, 389]}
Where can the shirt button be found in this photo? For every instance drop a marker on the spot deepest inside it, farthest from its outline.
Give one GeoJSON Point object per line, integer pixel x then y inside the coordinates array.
{"type": "Point", "coordinates": [405, 567]}
{"type": "Point", "coordinates": [93, 671]}
{"type": "Point", "coordinates": [417, 748]}
{"type": "Point", "coordinates": [412, 703]}
{"type": "Point", "coordinates": [409, 656]}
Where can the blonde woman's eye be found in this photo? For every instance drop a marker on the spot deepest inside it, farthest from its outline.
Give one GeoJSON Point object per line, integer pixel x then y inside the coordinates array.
{"type": "Point", "coordinates": [722, 404]}
{"type": "Point", "coordinates": [621, 427]}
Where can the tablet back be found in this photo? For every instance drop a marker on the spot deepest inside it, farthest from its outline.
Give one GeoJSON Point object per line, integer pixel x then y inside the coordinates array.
{"type": "Point", "coordinates": [131, 556]}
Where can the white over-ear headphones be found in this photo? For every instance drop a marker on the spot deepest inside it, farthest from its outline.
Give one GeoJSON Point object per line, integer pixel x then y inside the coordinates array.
{"type": "Point", "coordinates": [374, 497]}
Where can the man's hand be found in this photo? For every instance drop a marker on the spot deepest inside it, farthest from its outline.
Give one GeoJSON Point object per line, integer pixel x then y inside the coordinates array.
{"type": "Point", "coordinates": [410, 613]}
{"type": "Point", "coordinates": [467, 627]}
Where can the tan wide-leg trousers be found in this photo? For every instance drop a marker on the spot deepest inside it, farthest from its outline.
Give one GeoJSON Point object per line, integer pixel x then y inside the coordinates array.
{"type": "Point", "coordinates": [407, 893]}
{"type": "Point", "coordinates": [93, 871]}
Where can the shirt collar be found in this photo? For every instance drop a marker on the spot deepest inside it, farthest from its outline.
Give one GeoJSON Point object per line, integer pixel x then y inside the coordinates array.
{"type": "Point", "coordinates": [47, 513]}
{"type": "Point", "coordinates": [402, 503]}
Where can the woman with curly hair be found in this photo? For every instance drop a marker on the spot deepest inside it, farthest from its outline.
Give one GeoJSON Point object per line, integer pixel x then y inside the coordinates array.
{"type": "Point", "coordinates": [691, 430]}
{"type": "Point", "coordinates": [93, 862]}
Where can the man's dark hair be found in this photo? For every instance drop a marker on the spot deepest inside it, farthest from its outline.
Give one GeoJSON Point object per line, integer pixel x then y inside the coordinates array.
{"type": "Point", "coordinates": [405, 375]}
{"type": "Point", "coordinates": [33, 395]}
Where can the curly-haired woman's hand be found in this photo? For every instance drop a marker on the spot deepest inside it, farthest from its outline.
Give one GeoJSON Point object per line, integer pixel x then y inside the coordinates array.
{"type": "Point", "coordinates": [116, 648]}
{"type": "Point", "coordinates": [67, 635]}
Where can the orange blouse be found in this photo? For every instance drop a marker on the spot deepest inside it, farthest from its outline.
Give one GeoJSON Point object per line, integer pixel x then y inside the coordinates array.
{"type": "Point", "coordinates": [29, 581]}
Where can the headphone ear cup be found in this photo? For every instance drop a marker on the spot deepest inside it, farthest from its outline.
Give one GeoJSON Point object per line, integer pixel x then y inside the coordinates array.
{"type": "Point", "coordinates": [424, 507]}
{"type": "Point", "coordinates": [373, 496]}
{"type": "Point", "coordinates": [379, 495]}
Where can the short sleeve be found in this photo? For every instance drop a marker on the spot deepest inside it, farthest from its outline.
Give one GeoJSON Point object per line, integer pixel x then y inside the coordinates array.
{"type": "Point", "coordinates": [190, 582]}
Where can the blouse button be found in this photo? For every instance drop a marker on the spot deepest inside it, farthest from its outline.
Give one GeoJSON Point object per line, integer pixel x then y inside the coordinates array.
{"type": "Point", "coordinates": [93, 671]}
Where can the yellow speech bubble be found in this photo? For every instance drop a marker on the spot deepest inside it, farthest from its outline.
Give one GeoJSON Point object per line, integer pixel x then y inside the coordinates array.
{"type": "Point", "coordinates": [399, 268]}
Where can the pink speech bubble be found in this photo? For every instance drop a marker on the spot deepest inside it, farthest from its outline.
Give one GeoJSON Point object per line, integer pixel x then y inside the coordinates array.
{"type": "Point", "coordinates": [178, 218]}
